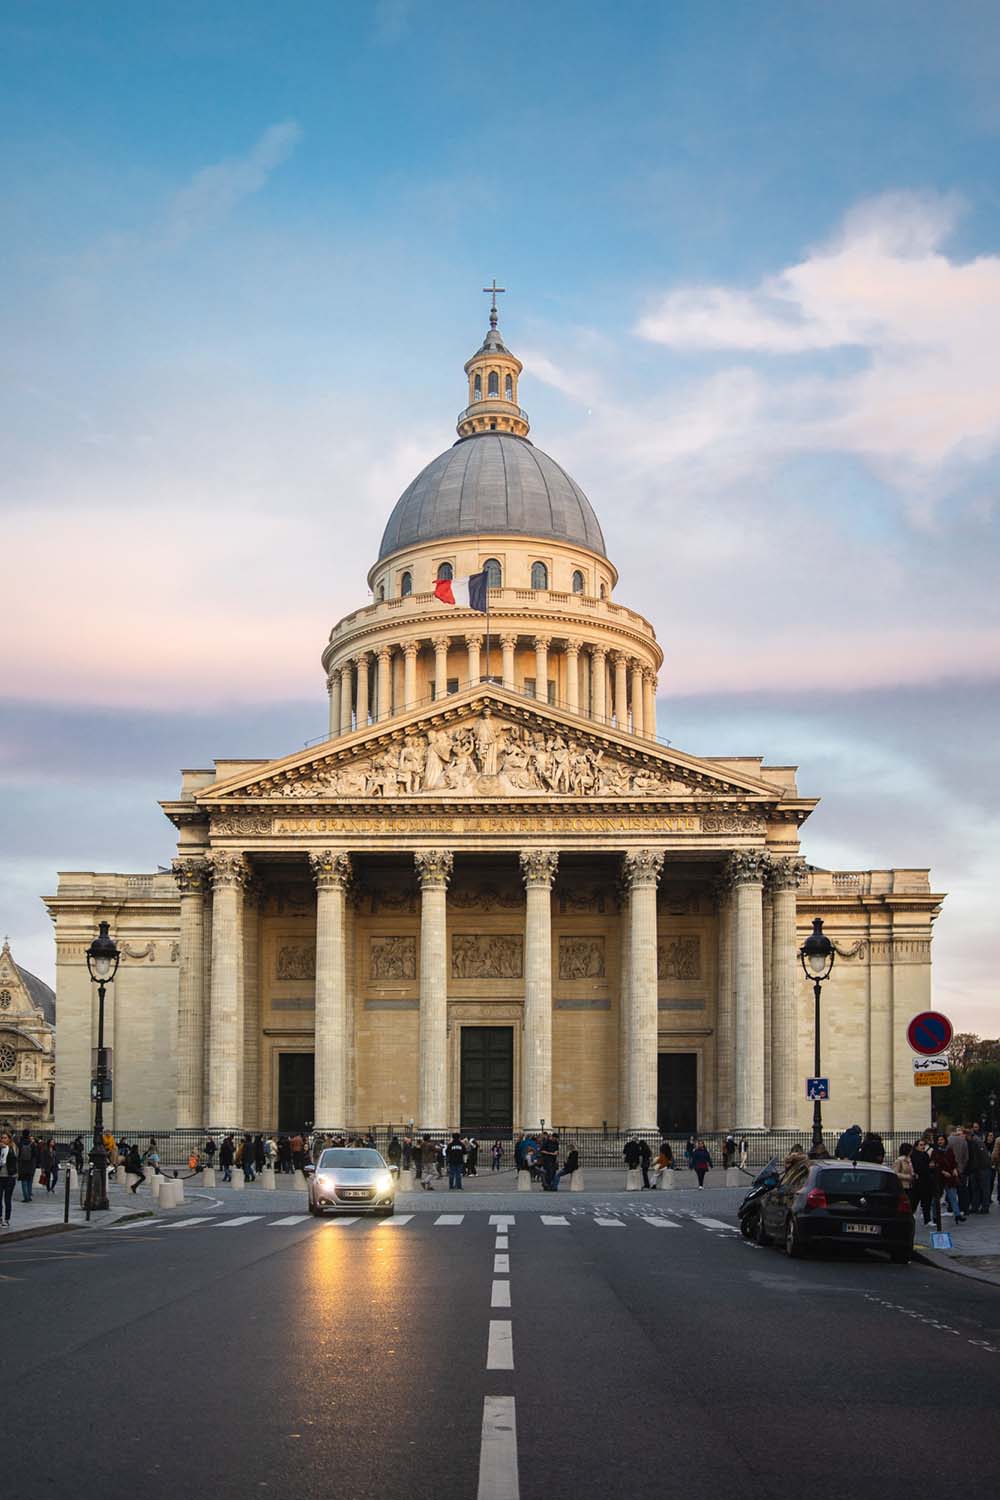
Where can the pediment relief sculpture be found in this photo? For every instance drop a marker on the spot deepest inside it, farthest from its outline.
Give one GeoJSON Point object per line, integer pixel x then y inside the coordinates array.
{"type": "Point", "coordinates": [487, 757]}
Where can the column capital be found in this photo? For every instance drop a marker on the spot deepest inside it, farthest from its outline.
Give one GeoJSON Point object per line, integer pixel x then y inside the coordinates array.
{"type": "Point", "coordinates": [410, 648]}
{"type": "Point", "coordinates": [192, 875]}
{"type": "Point", "coordinates": [541, 642]}
{"type": "Point", "coordinates": [509, 641]}
{"type": "Point", "coordinates": [434, 866]}
{"type": "Point", "coordinates": [598, 652]}
{"type": "Point", "coordinates": [474, 640]}
{"type": "Point", "coordinates": [383, 652]}
{"type": "Point", "coordinates": [748, 866]}
{"type": "Point", "coordinates": [641, 867]}
{"type": "Point", "coordinates": [441, 643]}
{"type": "Point", "coordinates": [362, 658]}
{"type": "Point", "coordinates": [649, 676]}
{"type": "Point", "coordinates": [619, 658]}
{"type": "Point", "coordinates": [330, 868]}
{"type": "Point", "coordinates": [229, 869]}
{"type": "Point", "coordinates": [572, 648]}
{"type": "Point", "coordinates": [538, 866]}
{"type": "Point", "coordinates": [786, 872]}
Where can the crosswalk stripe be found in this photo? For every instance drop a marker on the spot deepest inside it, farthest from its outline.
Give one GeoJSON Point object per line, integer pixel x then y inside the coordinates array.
{"type": "Point", "coordinates": [714, 1224]}
{"type": "Point", "coordinates": [339, 1223]}
{"type": "Point", "coordinates": [554, 1219]}
{"type": "Point", "coordinates": [658, 1223]}
{"type": "Point", "coordinates": [294, 1219]}
{"type": "Point", "coordinates": [449, 1218]}
{"type": "Point", "coordinates": [235, 1223]}
{"type": "Point", "coordinates": [611, 1223]}
{"type": "Point", "coordinates": [186, 1223]}
{"type": "Point", "coordinates": [397, 1221]}
{"type": "Point", "coordinates": [501, 1218]}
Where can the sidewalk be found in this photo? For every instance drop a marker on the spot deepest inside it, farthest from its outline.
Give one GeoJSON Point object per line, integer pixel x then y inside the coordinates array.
{"type": "Point", "coordinates": [975, 1248]}
{"type": "Point", "coordinates": [44, 1214]}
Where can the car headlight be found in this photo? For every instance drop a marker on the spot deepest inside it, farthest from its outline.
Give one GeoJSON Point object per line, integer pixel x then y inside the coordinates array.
{"type": "Point", "coordinates": [383, 1182]}
{"type": "Point", "coordinates": [326, 1182]}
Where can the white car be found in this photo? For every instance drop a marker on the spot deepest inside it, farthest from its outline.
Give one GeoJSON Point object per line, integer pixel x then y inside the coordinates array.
{"type": "Point", "coordinates": [352, 1179]}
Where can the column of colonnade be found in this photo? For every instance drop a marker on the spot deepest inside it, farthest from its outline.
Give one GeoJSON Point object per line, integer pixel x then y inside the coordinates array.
{"type": "Point", "coordinates": [192, 876]}
{"type": "Point", "coordinates": [434, 867]}
{"type": "Point", "coordinates": [538, 868]}
{"type": "Point", "coordinates": [620, 690]}
{"type": "Point", "coordinates": [641, 871]}
{"type": "Point", "coordinates": [331, 874]}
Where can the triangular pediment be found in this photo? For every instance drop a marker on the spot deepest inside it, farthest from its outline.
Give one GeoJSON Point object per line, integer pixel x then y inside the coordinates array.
{"type": "Point", "coordinates": [488, 742]}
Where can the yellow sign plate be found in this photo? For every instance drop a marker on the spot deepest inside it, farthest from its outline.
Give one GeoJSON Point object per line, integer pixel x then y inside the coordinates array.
{"type": "Point", "coordinates": [932, 1080]}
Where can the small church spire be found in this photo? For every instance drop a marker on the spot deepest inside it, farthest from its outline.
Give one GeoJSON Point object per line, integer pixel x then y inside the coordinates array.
{"type": "Point", "coordinates": [493, 373]}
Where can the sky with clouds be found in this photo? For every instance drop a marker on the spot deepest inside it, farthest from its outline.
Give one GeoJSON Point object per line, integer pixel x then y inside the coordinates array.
{"type": "Point", "coordinates": [753, 260]}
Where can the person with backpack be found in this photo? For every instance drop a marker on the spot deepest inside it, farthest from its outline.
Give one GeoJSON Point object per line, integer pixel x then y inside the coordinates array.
{"type": "Point", "coordinates": [27, 1163]}
{"type": "Point", "coordinates": [8, 1176]}
{"type": "Point", "coordinates": [227, 1156]}
{"type": "Point", "coordinates": [133, 1166]}
{"type": "Point", "coordinates": [701, 1162]}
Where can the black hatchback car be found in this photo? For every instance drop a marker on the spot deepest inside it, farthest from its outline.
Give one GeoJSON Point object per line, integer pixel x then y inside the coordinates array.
{"type": "Point", "coordinates": [838, 1203]}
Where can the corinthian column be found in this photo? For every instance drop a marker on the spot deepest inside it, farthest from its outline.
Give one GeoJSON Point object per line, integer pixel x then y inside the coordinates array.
{"type": "Point", "coordinates": [538, 867]}
{"type": "Point", "coordinates": [333, 688]}
{"type": "Point", "coordinates": [409, 674]}
{"type": "Point", "coordinates": [573, 676]}
{"type": "Point", "coordinates": [230, 873]}
{"type": "Point", "coordinates": [192, 878]}
{"type": "Point", "coordinates": [346, 696]}
{"type": "Point", "coordinates": [331, 871]}
{"type": "Point", "coordinates": [542, 667]}
{"type": "Point", "coordinates": [441, 644]}
{"type": "Point", "coordinates": [599, 683]}
{"type": "Point", "coordinates": [725, 1013]}
{"type": "Point", "coordinates": [508, 644]}
{"type": "Point", "coordinates": [641, 870]}
{"type": "Point", "coordinates": [748, 869]}
{"type": "Point", "coordinates": [638, 707]}
{"type": "Point", "coordinates": [473, 648]}
{"type": "Point", "coordinates": [785, 878]}
{"type": "Point", "coordinates": [649, 702]}
{"type": "Point", "coordinates": [384, 689]}
{"type": "Point", "coordinates": [362, 707]}
{"type": "Point", "coordinates": [620, 664]}
{"type": "Point", "coordinates": [434, 868]}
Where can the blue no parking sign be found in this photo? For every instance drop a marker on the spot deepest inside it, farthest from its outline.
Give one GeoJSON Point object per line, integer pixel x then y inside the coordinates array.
{"type": "Point", "coordinates": [817, 1088]}
{"type": "Point", "coordinates": [929, 1033]}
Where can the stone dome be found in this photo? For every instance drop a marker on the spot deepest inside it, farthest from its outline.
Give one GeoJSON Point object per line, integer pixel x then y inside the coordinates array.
{"type": "Point", "coordinates": [489, 484]}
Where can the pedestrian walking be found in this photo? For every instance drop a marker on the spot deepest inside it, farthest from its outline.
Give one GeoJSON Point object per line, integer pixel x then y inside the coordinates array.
{"type": "Point", "coordinates": [259, 1153]}
{"type": "Point", "coordinates": [903, 1168]}
{"type": "Point", "coordinates": [50, 1165]}
{"type": "Point", "coordinates": [922, 1184]}
{"type": "Point", "coordinates": [245, 1158]}
{"type": "Point", "coordinates": [701, 1161]}
{"type": "Point", "coordinates": [133, 1166]}
{"type": "Point", "coordinates": [209, 1152]}
{"type": "Point", "coordinates": [645, 1157]}
{"type": "Point", "coordinates": [980, 1173]}
{"type": "Point", "coordinates": [729, 1149]}
{"type": "Point", "coordinates": [455, 1156]}
{"type": "Point", "coordinates": [284, 1154]}
{"type": "Point", "coordinates": [27, 1162]}
{"type": "Point", "coordinates": [872, 1149]}
{"type": "Point", "coordinates": [549, 1159]}
{"type": "Point", "coordinates": [496, 1156]}
{"type": "Point", "coordinates": [472, 1159]}
{"type": "Point", "coordinates": [8, 1175]}
{"type": "Point", "coordinates": [744, 1151]}
{"type": "Point", "coordinates": [959, 1147]}
{"type": "Point", "coordinates": [227, 1156]}
{"type": "Point", "coordinates": [76, 1152]}
{"type": "Point", "coordinates": [946, 1165]}
{"type": "Point", "coordinates": [394, 1152]}
{"type": "Point", "coordinates": [690, 1146]}
{"type": "Point", "coordinates": [298, 1146]}
{"type": "Point", "coordinates": [428, 1158]}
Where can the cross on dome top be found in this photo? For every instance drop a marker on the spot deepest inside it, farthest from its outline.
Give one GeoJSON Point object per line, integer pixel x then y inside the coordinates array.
{"type": "Point", "coordinates": [493, 305]}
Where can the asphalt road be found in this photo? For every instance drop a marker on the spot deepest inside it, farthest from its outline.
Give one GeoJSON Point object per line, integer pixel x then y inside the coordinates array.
{"type": "Point", "coordinates": [234, 1359]}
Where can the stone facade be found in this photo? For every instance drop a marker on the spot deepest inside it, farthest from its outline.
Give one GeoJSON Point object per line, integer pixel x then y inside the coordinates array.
{"type": "Point", "coordinates": [491, 891]}
{"type": "Point", "coordinates": [27, 1046]}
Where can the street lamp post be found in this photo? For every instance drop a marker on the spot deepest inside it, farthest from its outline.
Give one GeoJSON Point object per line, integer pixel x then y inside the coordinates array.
{"type": "Point", "coordinates": [102, 963]}
{"type": "Point", "coordinates": [817, 955]}
{"type": "Point", "coordinates": [993, 1110]}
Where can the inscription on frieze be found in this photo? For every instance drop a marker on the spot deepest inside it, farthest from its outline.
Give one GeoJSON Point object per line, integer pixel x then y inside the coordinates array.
{"type": "Point", "coordinates": [393, 958]}
{"type": "Point", "coordinates": [679, 958]}
{"type": "Point", "coordinates": [487, 955]}
{"type": "Point", "coordinates": [581, 958]}
{"type": "Point", "coordinates": [652, 824]}
{"type": "Point", "coordinates": [296, 961]}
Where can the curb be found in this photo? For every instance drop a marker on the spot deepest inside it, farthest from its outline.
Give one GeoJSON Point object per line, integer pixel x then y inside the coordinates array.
{"type": "Point", "coordinates": [9, 1235]}
{"type": "Point", "coordinates": [940, 1262]}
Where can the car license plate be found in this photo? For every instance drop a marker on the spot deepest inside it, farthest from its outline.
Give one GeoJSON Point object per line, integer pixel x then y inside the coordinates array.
{"type": "Point", "coordinates": [862, 1228]}
{"type": "Point", "coordinates": [355, 1192]}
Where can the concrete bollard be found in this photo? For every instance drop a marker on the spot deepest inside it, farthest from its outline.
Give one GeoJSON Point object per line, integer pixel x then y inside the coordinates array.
{"type": "Point", "coordinates": [178, 1189]}
{"type": "Point", "coordinates": [407, 1181]}
{"type": "Point", "coordinates": [576, 1182]}
{"type": "Point", "coordinates": [734, 1177]}
{"type": "Point", "coordinates": [524, 1182]}
{"type": "Point", "coordinates": [121, 1176]}
{"type": "Point", "coordinates": [155, 1183]}
{"type": "Point", "coordinates": [166, 1198]}
{"type": "Point", "coordinates": [666, 1179]}
{"type": "Point", "coordinates": [208, 1177]}
{"type": "Point", "coordinates": [267, 1179]}
{"type": "Point", "coordinates": [299, 1180]}
{"type": "Point", "coordinates": [74, 1179]}
{"type": "Point", "coordinates": [633, 1180]}
{"type": "Point", "coordinates": [239, 1182]}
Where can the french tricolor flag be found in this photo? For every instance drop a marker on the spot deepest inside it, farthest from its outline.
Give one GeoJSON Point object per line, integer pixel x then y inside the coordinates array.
{"type": "Point", "coordinates": [465, 593]}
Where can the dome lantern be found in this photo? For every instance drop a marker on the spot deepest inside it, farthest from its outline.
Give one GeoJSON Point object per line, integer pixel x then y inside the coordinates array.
{"type": "Point", "coordinates": [493, 373]}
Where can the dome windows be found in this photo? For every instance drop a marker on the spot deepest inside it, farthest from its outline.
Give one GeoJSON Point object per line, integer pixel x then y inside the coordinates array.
{"type": "Point", "coordinates": [578, 581]}
{"type": "Point", "coordinates": [508, 388]}
{"type": "Point", "coordinates": [445, 572]}
{"type": "Point", "coordinates": [493, 387]}
{"type": "Point", "coordinates": [406, 585]}
{"type": "Point", "coordinates": [380, 593]}
{"type": "Point", "coordinates": [494, 573]}
{"type": "Point", "coordinates": [539, 576]}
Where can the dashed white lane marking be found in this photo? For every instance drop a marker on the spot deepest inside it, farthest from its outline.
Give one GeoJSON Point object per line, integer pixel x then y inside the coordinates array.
{"type": "Point", "coordinates": [501, 1243]}
{"type": "Point", "coordinates": [611, 1223]}
{"type": "Point", "coordinates": [659, 1223]}
{"type": "Point", "coordinates": [339, 1223]}
{"type": "Point", "coordinates": [501, 1219]}
{"type": "Point", "coordinates": [397, 1221]}
{"type": "Point", "coordinates": [500, 1296]}
{"type": "Point", "coordinates": [498, 1451]}
{"type": "Point", "coordinates": [501, 1265]}
{"type": "Point", "coordinates": [714, 1224]}
{"type": "Point", "coordinates": [235, 1223]}
{"type": "Point", "coordinates": [186, 1223]}
{"type": "Point", "coordinates": [554, 1219]}
{"type": "Point", "coordinates": [292, 1219]}
{"type": "Point", "coordinates": [500, 1350]}
{"type": "Point", "coordinates": [449, 1218]}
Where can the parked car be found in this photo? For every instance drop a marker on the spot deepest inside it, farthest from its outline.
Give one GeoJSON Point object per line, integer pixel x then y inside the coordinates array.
{"type": "Point", "coordinates": [838, 1203]}
{"type": "Point", "coordinates": [352, 1179]}
{"type": "Point", "coordinates": [749, 1210]}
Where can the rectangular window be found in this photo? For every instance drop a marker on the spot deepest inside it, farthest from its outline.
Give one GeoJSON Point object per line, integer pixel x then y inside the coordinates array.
{"type": "Point", "coordinates": [451, 688]}
{"type": "Point", "coordinates": [529, 688]}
